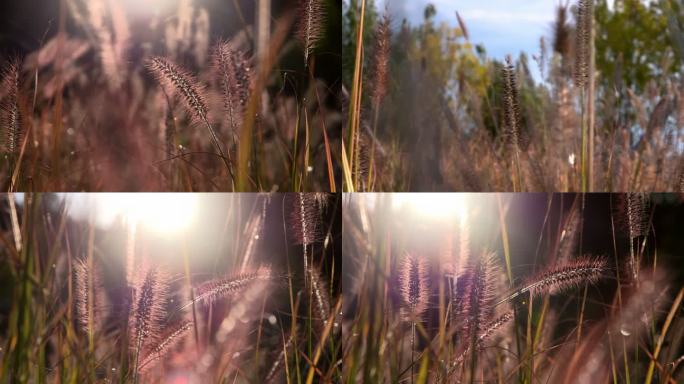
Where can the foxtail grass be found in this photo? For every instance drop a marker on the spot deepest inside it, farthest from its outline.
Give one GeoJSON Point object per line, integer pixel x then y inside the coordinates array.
{"type": "Point", "coordinates": [179, 80]}
{"type": "Point", "coordinates": [310, 27]}
{"type": "Point", "coordinates": [512, 119]}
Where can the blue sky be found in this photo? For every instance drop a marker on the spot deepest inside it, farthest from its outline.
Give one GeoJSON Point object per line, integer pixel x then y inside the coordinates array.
{"type": "Point", "coordinates": [502, 26]}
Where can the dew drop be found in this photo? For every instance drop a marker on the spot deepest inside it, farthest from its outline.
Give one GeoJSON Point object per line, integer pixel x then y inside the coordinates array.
{"type": "Point", "coordinates": [625, 332]}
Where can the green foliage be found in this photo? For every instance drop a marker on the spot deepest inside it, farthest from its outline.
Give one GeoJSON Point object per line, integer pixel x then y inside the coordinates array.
{"type": "Point", "coordinates": [632, 43]}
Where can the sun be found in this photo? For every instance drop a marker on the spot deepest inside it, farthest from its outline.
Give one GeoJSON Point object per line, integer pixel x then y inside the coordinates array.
{"type": "Point", "coordinates": [435, 205]}
{"type": "Point", "coordinates": [163, 213]}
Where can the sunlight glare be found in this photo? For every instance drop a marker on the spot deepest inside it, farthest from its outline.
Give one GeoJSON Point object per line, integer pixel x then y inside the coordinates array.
{"type": "Point", "coordinates": [164, 213]}
{"type": "Point", "coordinates": [435, 205]}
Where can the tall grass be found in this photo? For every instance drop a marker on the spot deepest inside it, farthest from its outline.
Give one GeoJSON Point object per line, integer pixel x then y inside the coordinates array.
{"type": "Point", "coordinates": [84, 111]}
{"type": "Point", "coordinates": [77, 310]}
{"type": "Point", "coordinates": [442, 315]}
{"type": "Point", "coordinates": [560, 119]}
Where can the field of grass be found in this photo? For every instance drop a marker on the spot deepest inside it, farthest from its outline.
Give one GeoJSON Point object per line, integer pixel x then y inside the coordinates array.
{"type": "Point", "coordinates": [179, 95]}
{"type": "Point", "coordinates": [598, 108]}
{"type": "Point", "coordinates": [247, 294]}
{"type": "Point", "coordinates": [499, 288]}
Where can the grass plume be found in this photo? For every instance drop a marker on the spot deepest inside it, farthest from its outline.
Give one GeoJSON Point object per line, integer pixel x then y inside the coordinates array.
{"type": "Point", "coordinates": [9, 107]}
{"type": "Point", "coordinates": [166, 342]}
{"type": "Point", "coordinates": [234, 74]}
{"type": "Point", "coordinates": [218, 289]}
{"type": "Point", "coordinates": [585, 14]}
{"type": "Point", "coordinates": [175, 78]}
{"type": "Point", "coordinates": [414, 285]}
{"type": "Point", "coordinates": [89, 303]}
{"type": "Point", "coordinates": [310, 26]}
{"type": "Point", "coordinates": [512, 117]}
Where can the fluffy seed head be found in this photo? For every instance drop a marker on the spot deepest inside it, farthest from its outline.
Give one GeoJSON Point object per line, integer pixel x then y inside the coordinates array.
{"type": "Point", "coordinates": [310, 27]}
{"type": "Point", "coordinates": [414, 285]}
{"type": "Point", "coordinates": [321, 297]}
{"type": "Point", "coordinates": [561, 34]}
{"type": "Point", "coordinates": [585, 17]}
{"type": "Point", "coordinates": [179, 80]}
{"type": "Point", "coordinates": [9, 108]}
{"type": "Point", "coordinates": [233, 71]}
{"type": "Point", "coordinates": [511, 107]}
{"type": "Point", "coordinates": [305, 218]}
{"type": "Point", "coordinates": [148, 307]}
{"type": "Point", "coordinates": [87, 301]}
{"type": "Point", "coordinates": [165, 344]}
{"type": "Point", "coordinates": [474, 298]}
{"type": "Point", "coordinates": [567, 276]}
{"type": "Point", "coordinates": [218, 289]}
{"type": "Point", "coordinates": [381, 60]}
{"type": "Point", "coordinates": [637, 205]}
